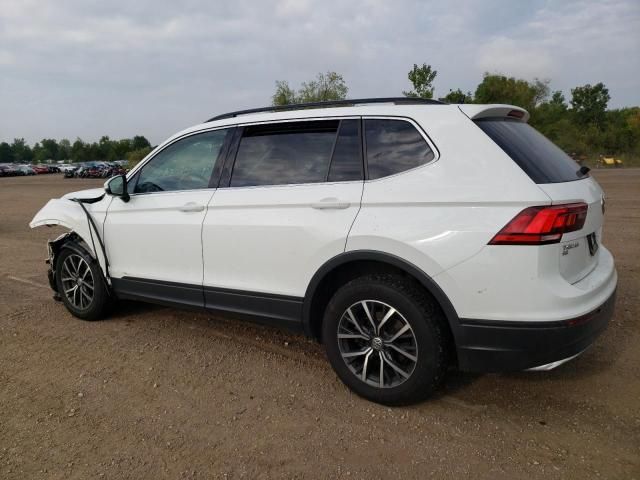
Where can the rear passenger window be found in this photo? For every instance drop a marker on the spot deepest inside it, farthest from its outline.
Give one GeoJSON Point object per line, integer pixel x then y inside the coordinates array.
{"type": "Point", "coordinates": [394, 146]}
{"type": "Point", "coordinates": [284, 153]}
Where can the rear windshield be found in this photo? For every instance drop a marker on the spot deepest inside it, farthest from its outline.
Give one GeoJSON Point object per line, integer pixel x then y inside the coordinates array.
{"type": "Point", "coordinates": [540, 158]}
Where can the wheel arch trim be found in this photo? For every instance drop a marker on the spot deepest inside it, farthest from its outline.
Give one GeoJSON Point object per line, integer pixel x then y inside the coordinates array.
{"type": "Point", "coordinates": [372, 255]}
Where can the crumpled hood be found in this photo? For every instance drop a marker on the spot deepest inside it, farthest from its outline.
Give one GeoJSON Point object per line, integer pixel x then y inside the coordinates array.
{"type": "Point", "coordinates": [89, 193]}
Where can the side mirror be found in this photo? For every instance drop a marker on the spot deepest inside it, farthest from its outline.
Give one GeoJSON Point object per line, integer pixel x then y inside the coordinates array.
{"type": "Point", "coordinates": [117, 186]}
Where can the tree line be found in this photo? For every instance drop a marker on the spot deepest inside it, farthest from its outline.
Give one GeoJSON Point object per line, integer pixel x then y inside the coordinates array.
{"type": "Point", "coordinates": [49, 149]}
{"type": "Point", "coordinates": [583, 126]}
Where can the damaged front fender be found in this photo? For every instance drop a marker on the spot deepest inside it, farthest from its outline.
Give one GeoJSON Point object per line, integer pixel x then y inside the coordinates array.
{"type": "Point", "coordinates": [70, 215]}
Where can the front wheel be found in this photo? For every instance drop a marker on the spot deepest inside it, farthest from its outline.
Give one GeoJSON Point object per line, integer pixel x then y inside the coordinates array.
{"type": "Point", "coordinates": [80, 284]}
{"type": "Point", "coordinates": [386, 339]}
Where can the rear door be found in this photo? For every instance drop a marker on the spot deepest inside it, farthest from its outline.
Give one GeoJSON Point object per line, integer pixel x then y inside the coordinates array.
{"type": "Point", "coordinates": [286, 202]}
{"type": "Point", "coordinates": [563, 180]}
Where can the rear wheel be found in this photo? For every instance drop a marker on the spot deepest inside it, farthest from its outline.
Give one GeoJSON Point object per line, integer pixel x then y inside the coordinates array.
{"type": "Point", "coordinates": [80, 284]}
{"type": "Point", "coordinates": [386, 339]}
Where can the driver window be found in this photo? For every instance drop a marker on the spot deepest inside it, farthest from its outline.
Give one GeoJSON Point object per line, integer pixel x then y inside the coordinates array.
{"type": "Point", "coordinates": [184, 165]}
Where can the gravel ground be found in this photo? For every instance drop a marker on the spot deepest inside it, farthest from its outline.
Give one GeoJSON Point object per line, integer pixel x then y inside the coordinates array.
{"type": "Point", "coordinates": [163, 393]}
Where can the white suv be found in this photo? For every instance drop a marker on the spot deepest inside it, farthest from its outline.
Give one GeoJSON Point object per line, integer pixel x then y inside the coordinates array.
{"type": "Point", "coordinates": [406, 235]}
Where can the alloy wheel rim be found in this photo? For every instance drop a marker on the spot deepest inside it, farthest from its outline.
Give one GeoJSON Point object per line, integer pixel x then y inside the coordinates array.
{"type": "Point", "coordinates": [377, 344]}
{"type": "Point", "coordinates": [77, 281]}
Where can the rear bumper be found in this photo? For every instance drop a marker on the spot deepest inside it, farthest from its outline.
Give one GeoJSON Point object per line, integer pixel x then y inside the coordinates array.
{"type": "Point", "coordinates": [499, 346]}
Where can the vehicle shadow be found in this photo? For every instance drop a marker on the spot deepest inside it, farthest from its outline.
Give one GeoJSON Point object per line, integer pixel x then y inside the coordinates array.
{"type": "Point", "coordinates": [125, 309]}
{"type": "Point", "coordinates": [477, 389]}
{"type": "Point", "coordinates": [289, 343]}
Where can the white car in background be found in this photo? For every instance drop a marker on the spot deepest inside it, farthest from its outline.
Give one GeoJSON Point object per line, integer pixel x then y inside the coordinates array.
{"type": "Point", "coordinates": [406, 235]}
{"type": "Point", "coordinates": [64, 168]}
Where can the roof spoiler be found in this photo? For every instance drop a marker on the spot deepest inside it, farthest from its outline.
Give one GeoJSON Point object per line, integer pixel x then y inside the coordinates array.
{"type": "Point", "coordinates": [474, 112]}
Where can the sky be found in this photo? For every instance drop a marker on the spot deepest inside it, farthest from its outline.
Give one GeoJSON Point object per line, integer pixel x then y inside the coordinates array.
{"type": "Point", "coordinates": [85, 68]}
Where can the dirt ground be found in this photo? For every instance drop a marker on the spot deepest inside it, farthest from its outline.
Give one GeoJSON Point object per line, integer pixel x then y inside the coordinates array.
{"type": "Point", "coordinates": [163, 393]}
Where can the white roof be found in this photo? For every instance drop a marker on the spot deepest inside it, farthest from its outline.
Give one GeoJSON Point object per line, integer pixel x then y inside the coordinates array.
{"type": "Point", "coordinates": [473, 111]}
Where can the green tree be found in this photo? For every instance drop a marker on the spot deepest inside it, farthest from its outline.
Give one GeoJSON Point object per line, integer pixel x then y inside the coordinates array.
{"type": "Point", "coordinates": [139, 142]}
{"type": "Point", "coordinates": [122, 147]}
{"type": "Point", "coordinates": [496, 88]}
{"type": "Point", "coordinates": [78, 151]}
{"type": "Point", "coordinates": [590, 103]}
{"type": "Point", "coordinates": [546, 116]}
{"type": "Point", "coordinates": [558, 100]}
{"type": "Point", "coordinates": [64, 149]}
{"type": "Point", "coordinates": [422, 80]}
{"type": "Point", "coordinates": [106, 149]}
{"type": "Point", "coordinates": [92, 152]}
{"type": "Point", "coordinates": [40, 154]}
{"type": "Point", "coordinates": [6, 153]}
{"type": "Point", "coordinates": [136, 155]}
{"type": "Point", "coordinates": [541, 91]}
{"type": "Point", "coordinates": [22, 152]}
{"type": "Point", "coordinates": [48, 151]}
{"type": "Point", "coordinates": [284, 95]}
{"type": "Point", "coordinates": [621, 131]}
{"type": "Point", "coordinates": [458, 96]}
{"type": "Point", "coordinates": [325, 87]}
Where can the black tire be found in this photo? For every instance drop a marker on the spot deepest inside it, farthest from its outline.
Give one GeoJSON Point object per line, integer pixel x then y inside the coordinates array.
{"type": "Point", "coordinates": [99, 305]}
{"type": "Point", "coordinates": [427, 331]}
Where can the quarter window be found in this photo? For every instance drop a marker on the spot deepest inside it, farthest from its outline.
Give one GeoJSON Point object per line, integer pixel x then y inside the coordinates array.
{"type": "Point", "coordinates": [184, 165]}
{"type": "Point", "coordinates": [394, 146]}
{"type": "Point", "coordinates": [543, 161]}
{"type": "Point", "coordinates": [284, 153]}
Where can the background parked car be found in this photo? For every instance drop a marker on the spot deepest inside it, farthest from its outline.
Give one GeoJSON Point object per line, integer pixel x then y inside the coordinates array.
{"type": "Point", "coordinates": [40, 169]}
{"type": "Point", "coordinates": [97, 170]}
{"type": "Point", "coordinates": [91, 170]}
{"type": "Point", "coordinates": [70, 172]}
{"type": "Point", "coordinates": [113, 169]}
{"type": "Point", "coordinates": [8, 170]}
{"type": "Point", "coordinates": [25, 170]}
{"type": "Point", "coordinates": [67, 167]}
{"type": "Point", "coordinates": [79, 171]}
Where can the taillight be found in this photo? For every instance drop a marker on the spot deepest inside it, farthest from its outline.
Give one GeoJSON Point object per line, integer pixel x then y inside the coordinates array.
{"type": "Point", "coordinates": [542, 225]}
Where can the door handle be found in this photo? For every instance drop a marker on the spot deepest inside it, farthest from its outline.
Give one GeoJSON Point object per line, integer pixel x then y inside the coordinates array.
{"type": "Point", "coordinates": [191, 207]}
{"type": "Point", "coordinates": [330, 203]}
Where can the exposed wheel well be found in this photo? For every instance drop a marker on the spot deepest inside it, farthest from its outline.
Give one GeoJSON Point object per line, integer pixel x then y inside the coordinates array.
{"type": "Point", "coordinates": [73, 241]}
{"type": "Point", "coordinates": [344, 272]}
{"type": "Point", "coordinates": [70, 239]}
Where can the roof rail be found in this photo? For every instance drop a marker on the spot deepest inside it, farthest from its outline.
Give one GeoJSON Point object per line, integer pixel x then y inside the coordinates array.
{"type": "Point", "coordinates": [331, 103]}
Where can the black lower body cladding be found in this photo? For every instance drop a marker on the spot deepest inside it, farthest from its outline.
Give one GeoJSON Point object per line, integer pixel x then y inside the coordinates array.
{"type": "Point", "coordinates": [498, 346]}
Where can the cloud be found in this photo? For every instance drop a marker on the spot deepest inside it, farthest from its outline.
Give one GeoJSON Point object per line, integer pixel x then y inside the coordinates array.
{"type": "Point", "coordinates": [504, 55]}
{"type": "Point", "coordinates": [88, 67]}
{"type": "Point", "coordinates": [573, 43]}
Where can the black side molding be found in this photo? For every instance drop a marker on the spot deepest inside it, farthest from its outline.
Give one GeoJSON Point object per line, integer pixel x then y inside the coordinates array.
{"type": "Point", "coordinates": [277, 310]}
{"type": "Point", "coordinates": [158, 291]}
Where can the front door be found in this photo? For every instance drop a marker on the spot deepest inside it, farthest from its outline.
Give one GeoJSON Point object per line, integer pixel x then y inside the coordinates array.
{"type": "Point", "coordinates": [154, 242]}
